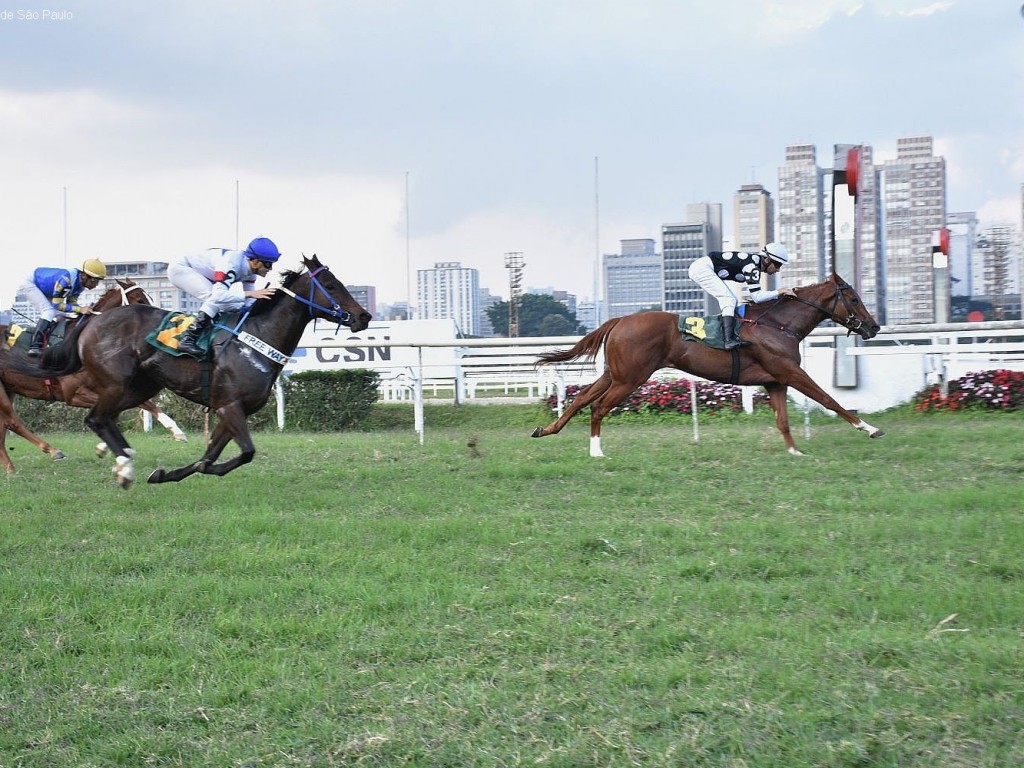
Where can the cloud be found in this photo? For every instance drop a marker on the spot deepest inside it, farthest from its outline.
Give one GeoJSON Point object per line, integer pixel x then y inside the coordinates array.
{"type": "Point", "coordinates": [148, 118]}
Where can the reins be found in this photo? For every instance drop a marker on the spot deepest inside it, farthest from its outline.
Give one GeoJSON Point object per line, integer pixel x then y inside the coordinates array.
{"type": "Point", "coordinates": [341, 315]}
{"type": "Point", "coordinates": [851, 323]}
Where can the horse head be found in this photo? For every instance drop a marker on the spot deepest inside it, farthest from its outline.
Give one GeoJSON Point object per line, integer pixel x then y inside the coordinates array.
{"type": "Point", "coordinates": [839, 301]}
{"type": "Point", "coordinates": [126, 292]}
{"type": "Point", "coordinates": [325, 295]}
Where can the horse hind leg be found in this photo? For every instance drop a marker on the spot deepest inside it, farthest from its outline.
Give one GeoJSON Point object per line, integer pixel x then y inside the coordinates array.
{"type": "Point", "coordinates": [231, 426]}
{"type": "Point", "coordinates": [614, 395]}
{"type": "Point", "coordinates": [780, 405]}
{"type": "Point", "coordinates": [583, 398]}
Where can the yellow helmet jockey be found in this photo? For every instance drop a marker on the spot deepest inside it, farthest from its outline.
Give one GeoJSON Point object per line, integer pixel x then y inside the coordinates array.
{"type": "Point", "coordinates": [94, 268]}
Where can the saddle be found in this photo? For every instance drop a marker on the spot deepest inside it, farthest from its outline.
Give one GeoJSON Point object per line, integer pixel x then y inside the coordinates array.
{"type": "Point", "coordinates": [19, 337]}
{"type": "Point", "coordinates": [706, 329]}
{"type": "Point", "coordinates": [165, 336]}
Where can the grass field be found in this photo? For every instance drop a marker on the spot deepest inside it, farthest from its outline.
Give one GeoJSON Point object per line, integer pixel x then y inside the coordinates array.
{"type": "Point", "coordinates": [487, 599]}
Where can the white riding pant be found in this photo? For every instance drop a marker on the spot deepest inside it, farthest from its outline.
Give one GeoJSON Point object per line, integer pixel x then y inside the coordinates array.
{"type": "Point", "coordinates": [41, 302]}
{"type": "Point", "coordinates": [702, 272]}
{"type": "Point", "coordinates": [194, 284]}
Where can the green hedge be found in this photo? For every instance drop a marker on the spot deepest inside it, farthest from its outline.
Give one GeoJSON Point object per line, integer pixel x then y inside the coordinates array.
{"type": "Point", "coordinates": [315, 401]}
{"type": "Point", "coordinates": [328, 401]}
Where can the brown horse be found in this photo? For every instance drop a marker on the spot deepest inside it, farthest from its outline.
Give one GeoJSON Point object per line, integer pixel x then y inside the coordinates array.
{"type": "Point", "coordinates": [127, 370]}
{"type": "Point", "coordinates": [74, 389]}
{"type": "Point", "coordinates": [638, 345]}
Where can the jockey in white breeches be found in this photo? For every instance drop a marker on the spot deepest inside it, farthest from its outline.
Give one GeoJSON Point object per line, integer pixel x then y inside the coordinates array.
{"type": "Point", "coordinates": [223, 280]}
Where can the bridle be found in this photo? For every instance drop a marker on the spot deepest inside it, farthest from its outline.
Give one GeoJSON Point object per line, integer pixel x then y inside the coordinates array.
{"type": "Point", "coordinates": [851, 322]}
{"type": "Point", "coordinates": [333, 309]}
{"type": "Point", "coordinates": [125, 291]}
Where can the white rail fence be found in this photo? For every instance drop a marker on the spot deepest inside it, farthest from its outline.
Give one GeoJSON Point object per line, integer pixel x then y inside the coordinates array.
{"type": "Point", "coordinates": [889, 370]}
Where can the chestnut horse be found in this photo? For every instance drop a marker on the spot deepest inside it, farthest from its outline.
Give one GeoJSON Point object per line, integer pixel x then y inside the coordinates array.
{"type": "Point", "coordinates": [74, 389]}
{"type": "Point", "coordinates": [638, 345]}
{"type": "Point", "coordinates": [127, 370]}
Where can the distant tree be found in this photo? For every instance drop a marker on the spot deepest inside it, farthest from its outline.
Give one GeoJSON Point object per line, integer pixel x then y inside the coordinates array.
{"type": "Point", "coordinates": [539, 315]}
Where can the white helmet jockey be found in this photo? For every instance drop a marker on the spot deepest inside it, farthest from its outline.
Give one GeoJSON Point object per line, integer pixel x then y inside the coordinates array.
{"type": "Point", "coordinates": [776, 252]}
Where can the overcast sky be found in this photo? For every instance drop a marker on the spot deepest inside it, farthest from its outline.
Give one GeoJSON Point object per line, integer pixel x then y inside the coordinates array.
{"type": "Point", "coordinates": [138, 122]}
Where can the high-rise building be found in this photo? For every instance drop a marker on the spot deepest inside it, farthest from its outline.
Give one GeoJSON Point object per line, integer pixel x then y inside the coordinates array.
{"type": "Point", "coordinates": [996, 273]}
{"type": "Point", "coordinates": [487, 300]}
{"type": "Point", "coordinates": [632, 278]}
{"type": "Point", "coordinates": [681, 244]}
{"type": "Point", "coordinates": [753, 218]}
{"type": "Point", "coordinates": [869, 279]}
{"type": "Point", "coordinates": [449, 291]}
{"type": "Point", "coordinates": [963, 232]}
{"type": "Point", "coordinates": [801, 213]}
{"type": "Point", "coordinates": [914, 204]}
{"type": "Point", "coordinates": [366, 295]}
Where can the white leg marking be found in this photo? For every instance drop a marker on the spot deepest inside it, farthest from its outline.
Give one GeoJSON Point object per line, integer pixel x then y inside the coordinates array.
{"type": "Point", "coordinates": [595, 447]}
{"type": "Point", "coordinates": [124, 471]}
{"type": "Point", "coordinates": [863, 426]}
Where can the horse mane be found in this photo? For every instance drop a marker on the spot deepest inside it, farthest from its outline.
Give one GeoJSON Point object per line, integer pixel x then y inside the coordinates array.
{"type": "Point", "coordinates": [260, 306]}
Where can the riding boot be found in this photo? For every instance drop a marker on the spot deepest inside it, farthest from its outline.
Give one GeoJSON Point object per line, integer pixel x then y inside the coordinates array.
{"type": "Point", "coordinates": [42, 330]}
{"type": "Point", "coordinates": [731, 332]}
{"type": "Point", "coordinates": [188, 343]}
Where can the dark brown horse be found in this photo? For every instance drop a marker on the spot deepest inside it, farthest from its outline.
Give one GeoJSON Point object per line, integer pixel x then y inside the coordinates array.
{"type": "Point", "coordinates": [638, 345]}
{"type": "Point", "coordinates": [74, 389]}
{"type": "Point", "coordinates": [127, 370]}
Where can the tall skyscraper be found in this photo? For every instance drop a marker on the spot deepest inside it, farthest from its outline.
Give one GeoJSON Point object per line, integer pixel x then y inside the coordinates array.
{"type": "Point", "coordinates": [366, 295]}
{"type": "Point", "coordinates": [914, 201]}
{"type": "Point", "coordinates": [449, 291]}
{"type": "Point", "coordinates": [753, 218]}
{"type": "Point", "coordinates": [632, 278]}
{"type": "Point", "coordinates": [680, 245]}
{"type": "Point", "coordinates": [963, 233]}
{"type": "Point", "coordinates": [802, 220]}
{"type": "Point", "coordinates": [996, 273]}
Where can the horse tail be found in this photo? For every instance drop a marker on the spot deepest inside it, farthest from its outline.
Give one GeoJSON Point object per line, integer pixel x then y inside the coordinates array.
{"type": "Point", "coordinates": [58, 360]}
{"type": "Point", "coordinates": [587, 347]}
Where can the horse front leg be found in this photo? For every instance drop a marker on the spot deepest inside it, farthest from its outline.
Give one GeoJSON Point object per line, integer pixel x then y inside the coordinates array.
{"type": "Point", "coordinates": [804, 384]}
{"type": "Point", "coordinates": [780, 405]}
{"type": "Point", "coordinates": [105, 427]}
{"type": "Point", "coordinates": [165, 421]}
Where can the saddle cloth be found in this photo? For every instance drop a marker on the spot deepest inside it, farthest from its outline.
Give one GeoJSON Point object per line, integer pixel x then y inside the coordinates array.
{"type": "Point", "coordinates": [18, 337]}
{"type": "Point", "coordinates": [707, 329]}
{"type": "Point", "coordinates": [165, 336]}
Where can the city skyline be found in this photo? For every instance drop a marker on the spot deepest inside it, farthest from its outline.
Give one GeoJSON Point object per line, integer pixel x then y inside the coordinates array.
{"type": "Point", "coordinates": [554, 130]}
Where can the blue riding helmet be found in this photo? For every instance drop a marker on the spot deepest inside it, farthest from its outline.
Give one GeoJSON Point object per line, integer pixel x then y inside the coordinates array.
{"type": "Point", "coordinates": [263, 248]}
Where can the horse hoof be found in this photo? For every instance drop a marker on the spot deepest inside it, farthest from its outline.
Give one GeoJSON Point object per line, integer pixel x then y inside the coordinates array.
{"type": "Point", "coordinates": [156, 476]}
{"type": "Point", "coordinates": [101, 450]}
{"type": "Point", "coordinates": [59, 456]}
{"type": "Point", "coordinates": [878, 433]}
{"type": "Point", "coordinates": [537, 432]}
{"type": "Point", "coordinates": [182, 438]}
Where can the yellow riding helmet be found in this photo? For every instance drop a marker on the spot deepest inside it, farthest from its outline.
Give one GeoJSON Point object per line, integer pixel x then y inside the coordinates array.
{"type": "Point", "coordinates": [94, 268]}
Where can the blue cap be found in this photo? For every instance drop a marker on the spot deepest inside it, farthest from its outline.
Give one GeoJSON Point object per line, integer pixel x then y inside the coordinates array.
{"type": "Point", "coordinates": [263, 248]}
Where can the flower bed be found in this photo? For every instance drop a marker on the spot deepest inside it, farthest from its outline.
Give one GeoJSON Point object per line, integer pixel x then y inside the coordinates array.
{"type": "Point", "coordinates": [674, 397]}
{"type": "Point", "coordinates": [999, 390]}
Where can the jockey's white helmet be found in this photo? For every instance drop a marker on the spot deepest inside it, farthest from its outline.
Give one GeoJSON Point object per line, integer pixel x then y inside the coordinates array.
{"type": "Point", "coordinates": [776, 252]}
